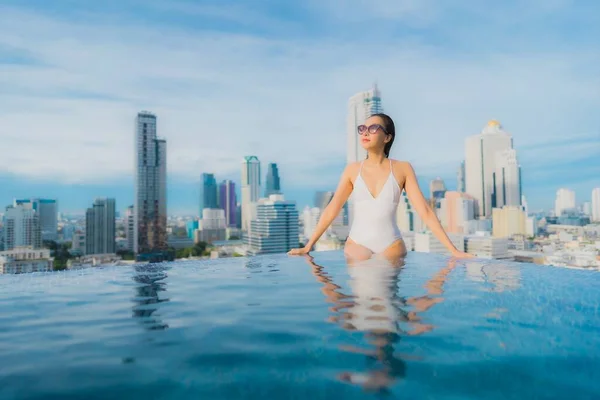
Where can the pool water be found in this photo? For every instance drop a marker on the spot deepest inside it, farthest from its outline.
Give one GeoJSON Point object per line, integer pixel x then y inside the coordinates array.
{"type": "Point", "coordinates": [283, 327]}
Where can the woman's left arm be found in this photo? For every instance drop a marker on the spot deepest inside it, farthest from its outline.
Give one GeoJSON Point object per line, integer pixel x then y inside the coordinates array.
{"type": "Point", "coordinates": [413, 191]}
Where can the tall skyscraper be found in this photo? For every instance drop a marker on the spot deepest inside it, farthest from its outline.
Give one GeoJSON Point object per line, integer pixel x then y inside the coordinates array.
{"type": "Point", "coordinates": [275, 228]}
{"type": "Point", "coordinates": [360, 107]}
{"type": "Point", "coordinates": [228, 202]}
{"type": "Point", "coordinates": [322, 199]}
{"type": "Point", "coordinates": [238, 215]}
{"type": "Point", "coordinates": [455, 209]}
{"type": "Point", "coordinates": [212, 226]}
{"type": "Point", "coordinates": [272, 182]}
{"type": "Point", "coordinates": [565, 200]}
{"type": "Point", "coordinates": [250, 188]}
{"type": "Point", "coordinates": [208, 192]}
{"type": "Point", "coordinates": [480, 165]}
{"type": "Point", "coordinates": [21, 227]}
{"type": "Point", "coordinates": [509, 221]}
{"type": "Point", "coordinates": [460, 178]}
{"type": "Point", "coordinates": [524, 204]}
{"type": "Point", "coordinates": [507, 179]}
{"type": "Point", "coordinates": [130, 227]}
{"type": "Point", "coordinates": [150, 207]}
{"type": "Point", "coordinates": [596, 204]}
{"type": "Point", "coordinates": [310, 217]}
{"type": "Point", "coordinates": [437, 185]}
{"type": "Point", "coordinates": [100, 227]}
{"type": "Point", "coordinates": [437, 188]}
{"type": "Point", "coordinates": [47, 211]}
{"type": "Point", "coordinates": [407, 218]}
{"type": "Point", "coordinates": [586, 208]}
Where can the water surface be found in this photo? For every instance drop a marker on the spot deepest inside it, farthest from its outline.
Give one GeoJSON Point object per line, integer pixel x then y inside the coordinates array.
{"type": "Point", "coordinates": [289, 327]}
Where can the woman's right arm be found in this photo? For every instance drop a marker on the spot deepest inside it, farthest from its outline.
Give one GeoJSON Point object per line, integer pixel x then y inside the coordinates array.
{"type": "Point", "coordinates": [342, 193]}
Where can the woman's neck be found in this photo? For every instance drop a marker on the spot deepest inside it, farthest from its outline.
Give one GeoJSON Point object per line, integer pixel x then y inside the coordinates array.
{"type": "Point", "coordinates": [375, 158]}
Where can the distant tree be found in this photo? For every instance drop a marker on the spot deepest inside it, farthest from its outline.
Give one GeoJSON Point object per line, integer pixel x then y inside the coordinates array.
{"type": "Point", "coordinates": [234, 237]}
{"type": "Point", "coordinates": [50, 244]}
{"type": "Point", "coordinates": [200, 247]}
{"type": "Point", "coordinates": [59, 264]}
{"type": "Point", "coordinates": [126, 254]}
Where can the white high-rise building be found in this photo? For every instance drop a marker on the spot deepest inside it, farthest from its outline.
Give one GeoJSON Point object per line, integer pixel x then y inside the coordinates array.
{"type": "Point", "coordinates": [565, 200]}
{"type": "Point", "coordinates": [21, 227]}
{"type": "Point", "coordinates": [465, 211]}
{"type": "Point", "coordinates": [100, 227]}
{"type": "Point", "coordinates": [531, 227]}
{"type": "Point", "coordinates": [596, 204]}
{"type": "Point", "coordinates": [275, 228]}
{"type": "Point", "coordinates": [150, 209]}
{"type": "Point", "coordinates": [507, 177]}
{"type": "Point", "coordinates": [480, 165]}
{"type": "Point", "coordinates": [360, 107]}
{"type": "Point", "coordinates": [47, 211]}
{"type": "Point", "coordinates": [403, 214]}
{"type": "Point", "coordinates": [310, 217]}
{"type": "Point", "coordinates": [524, 204]}
{"type": "Point", "coordinates": [250, 188]}
{"type": "Point", "coordinates": [213, 218]}
{"type": "Point", "coordinates": [212, 227]}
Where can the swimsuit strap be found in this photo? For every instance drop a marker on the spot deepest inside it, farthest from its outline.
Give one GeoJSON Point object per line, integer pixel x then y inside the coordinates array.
{"type": "Point", "coordinates": [360, 170]}
{"type": "Point", "coordinates": [392, 168]}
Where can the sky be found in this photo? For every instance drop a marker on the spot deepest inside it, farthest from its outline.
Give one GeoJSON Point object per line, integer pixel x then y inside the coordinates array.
{"type": "Point", "coordinates": [272, 79]}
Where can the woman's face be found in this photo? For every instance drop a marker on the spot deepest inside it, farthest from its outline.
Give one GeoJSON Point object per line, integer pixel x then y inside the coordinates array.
{"type": "Point", "coordinates": [372, 138]}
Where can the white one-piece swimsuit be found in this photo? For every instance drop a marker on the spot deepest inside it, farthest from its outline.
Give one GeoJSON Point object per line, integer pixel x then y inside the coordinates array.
{"type": "Point", "coordinates": [374, 218]}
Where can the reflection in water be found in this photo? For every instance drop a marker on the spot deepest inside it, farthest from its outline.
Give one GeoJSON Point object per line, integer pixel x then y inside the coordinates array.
{"type": "Point", "coordinates": [497, 276]}
{"type": "Point", "coordinates": [147, 295]}
{"type": "Point", "coordinates": [376, 309]}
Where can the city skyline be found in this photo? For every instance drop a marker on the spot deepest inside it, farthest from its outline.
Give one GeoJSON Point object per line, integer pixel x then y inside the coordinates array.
{"type": "Point", "coordinates": [440, 83]}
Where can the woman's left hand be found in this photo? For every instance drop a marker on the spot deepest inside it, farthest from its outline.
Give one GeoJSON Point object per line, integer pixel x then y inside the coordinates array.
{"type": "Point", "coordinates": [461, 254]}
{"type": "Point", "coordinates": [299, 252]}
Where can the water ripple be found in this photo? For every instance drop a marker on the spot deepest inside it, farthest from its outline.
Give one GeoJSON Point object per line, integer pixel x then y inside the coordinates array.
{"type": "Point", "coordinates": [294, 327]}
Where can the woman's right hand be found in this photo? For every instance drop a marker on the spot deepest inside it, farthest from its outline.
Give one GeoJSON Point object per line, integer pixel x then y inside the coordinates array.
{"type": "Point", "coordinates": [299, 252]}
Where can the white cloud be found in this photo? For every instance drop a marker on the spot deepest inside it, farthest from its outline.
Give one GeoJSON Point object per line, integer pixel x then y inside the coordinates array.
{"type": "Point", "coordinates": [220, 96]}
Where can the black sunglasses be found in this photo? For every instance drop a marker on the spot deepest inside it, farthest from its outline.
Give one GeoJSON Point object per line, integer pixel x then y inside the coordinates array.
{"type": "Point", "coordinates": [372, 129]}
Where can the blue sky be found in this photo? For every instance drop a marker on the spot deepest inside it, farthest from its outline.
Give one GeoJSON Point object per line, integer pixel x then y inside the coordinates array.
{"type": "Point", "coordinates": [272, 79]}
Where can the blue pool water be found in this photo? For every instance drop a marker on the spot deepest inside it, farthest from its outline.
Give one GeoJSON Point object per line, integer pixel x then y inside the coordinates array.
{"type": "Point", "coordinates": [287, 328]}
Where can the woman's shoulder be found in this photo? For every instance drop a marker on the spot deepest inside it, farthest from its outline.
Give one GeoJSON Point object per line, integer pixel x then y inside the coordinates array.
{"type": "Point", "coordinates": [400, 164]}
{"type": "Point", "coordinates": [353, 166]}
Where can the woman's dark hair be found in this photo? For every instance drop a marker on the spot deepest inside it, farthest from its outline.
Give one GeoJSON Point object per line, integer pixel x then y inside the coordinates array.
{"type": "Point", "coordinates": [390, 128]}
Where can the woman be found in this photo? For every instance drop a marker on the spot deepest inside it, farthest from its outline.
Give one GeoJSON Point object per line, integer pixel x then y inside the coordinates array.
{"type": "Point", "coordinates": [376, 184]}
